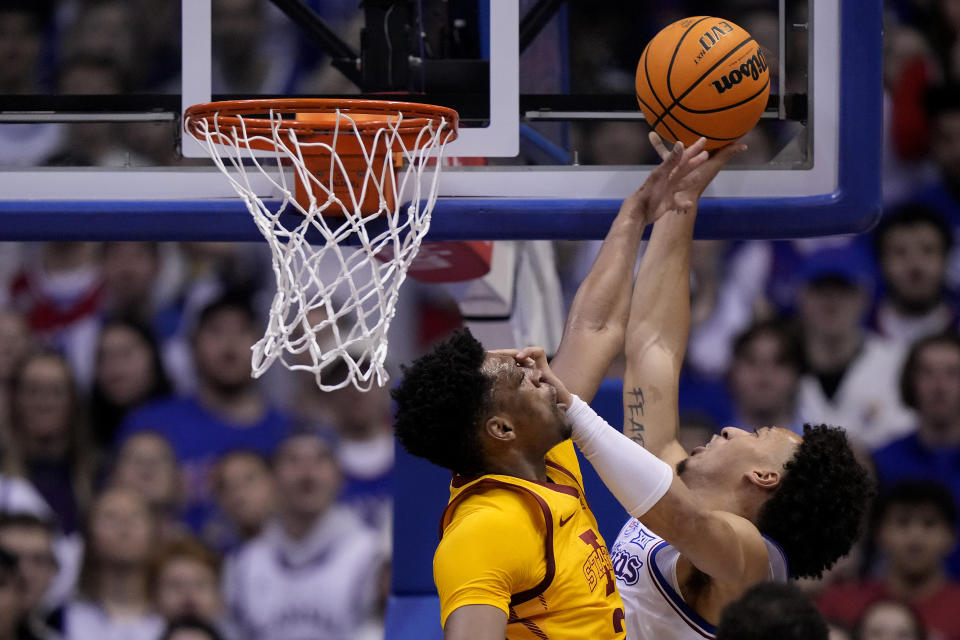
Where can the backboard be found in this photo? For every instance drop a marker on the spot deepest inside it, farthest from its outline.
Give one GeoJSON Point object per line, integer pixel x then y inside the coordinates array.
{"type": "Point", "coordinates": [536, 111]}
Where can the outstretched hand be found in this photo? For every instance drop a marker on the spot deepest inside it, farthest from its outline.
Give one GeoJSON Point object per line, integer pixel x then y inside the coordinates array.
{"type": "Point", "coordinates": [688, 181]}
{"type": "Point", "coordinates": [664, 180]}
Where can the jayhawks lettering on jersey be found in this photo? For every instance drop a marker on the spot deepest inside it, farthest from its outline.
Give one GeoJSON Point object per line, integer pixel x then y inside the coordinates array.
{"type": "Point", "coordinates": [646, 569]}
{"type": "Point", "coordinates": [319, 588]}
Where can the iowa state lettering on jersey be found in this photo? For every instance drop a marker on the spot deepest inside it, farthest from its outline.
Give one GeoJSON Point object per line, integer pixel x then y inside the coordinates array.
{"type": "Point", "coordinates": [597, 566]}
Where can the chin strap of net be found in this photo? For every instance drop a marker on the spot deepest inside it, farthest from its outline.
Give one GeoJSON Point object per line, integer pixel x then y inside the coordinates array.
{"type": "Point", "coordinates": [339, 264]}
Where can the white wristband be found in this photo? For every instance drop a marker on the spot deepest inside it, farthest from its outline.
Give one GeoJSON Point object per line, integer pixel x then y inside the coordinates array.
{"type": "Point", "coordinates": [636, 477]}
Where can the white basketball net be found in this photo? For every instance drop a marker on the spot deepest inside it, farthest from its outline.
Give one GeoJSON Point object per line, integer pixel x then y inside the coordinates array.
{"type": "Point", "coordinates": [337, 280]}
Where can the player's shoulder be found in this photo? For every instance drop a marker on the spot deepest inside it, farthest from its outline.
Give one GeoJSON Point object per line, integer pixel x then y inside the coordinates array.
{"type": "Point", "coordinates": [752, 543]}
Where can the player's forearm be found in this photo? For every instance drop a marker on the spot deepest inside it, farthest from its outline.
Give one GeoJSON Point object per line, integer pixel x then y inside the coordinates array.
{"type": "Point", "coordinates": [660, 306]}
{"type": "Point", "coordinates": [594, 330]}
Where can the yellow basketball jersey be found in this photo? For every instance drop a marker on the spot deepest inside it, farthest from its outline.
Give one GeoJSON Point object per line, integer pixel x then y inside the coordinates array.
{"type": "Point", "coordinates": [531, 549]}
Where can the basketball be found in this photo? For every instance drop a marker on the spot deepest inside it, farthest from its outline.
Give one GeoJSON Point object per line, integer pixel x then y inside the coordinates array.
{"type": "Point", "coordinates": [702, 76]}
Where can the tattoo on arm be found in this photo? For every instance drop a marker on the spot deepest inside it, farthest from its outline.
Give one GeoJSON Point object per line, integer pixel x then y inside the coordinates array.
{"type": "Point", "coordinates": [634, 427]}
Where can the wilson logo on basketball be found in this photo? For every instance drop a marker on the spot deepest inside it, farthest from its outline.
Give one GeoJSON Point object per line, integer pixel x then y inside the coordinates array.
{"type": "Point", "coordinates": [712, 37]}
{"type": "Point", "coordinates": [752, 69]}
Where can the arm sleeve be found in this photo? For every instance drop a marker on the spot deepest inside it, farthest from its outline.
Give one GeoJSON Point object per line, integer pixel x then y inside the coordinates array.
{"type": "Point", "coordinates": [636, 477]}
{"type": "Point", "coordinates": [488, 556]}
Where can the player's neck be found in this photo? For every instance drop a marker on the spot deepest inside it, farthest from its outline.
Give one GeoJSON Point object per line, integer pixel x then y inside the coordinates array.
{"type": "Point", "coordinates": [718, 496]}
{"type": "Point", "coordinates": [516, 465]}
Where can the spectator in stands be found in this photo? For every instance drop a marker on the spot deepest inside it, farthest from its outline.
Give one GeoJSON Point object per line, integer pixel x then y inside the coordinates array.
{"type": "Point", "coordinates": [365, 448]}
{"type": "Point", "coordinates": [764, 376]}
{"type": "Point", "coordinates": [312, 573]}
{"type": "Point", "coordinates": [59, 291]}
{"type": "Point", "coordinates": [240, 63]}
{"type": "Point", "coordinates": [22, 23]}
{"type": "Point", "coordinates": [191, 628]}
{"type": "Point", "coordinates": [89, 144]}
{"type": "Point", "coordinates": [912, 245]}
{"type": "Point", "coordinates": [49, 431]}
{"type": "Point", "coordinates": [915, 528]}
{"type": "Point", "coordinates": [11, 600]}
{"type": "Point", "coordinates": [130, 272]}
{"type": "Point", "coordinates": [184, 581]}
{"type": "Point", "coordinates": [113, 601]}
{"type": "Point", "coordinates": [889, 619]}
{"type": "Point", "coordinates": [128, 373]}
{"type": "Point", "coordinates": [107, 30]}
{"type": "Point", "coordinates": [31, 539]}
{"type": "Point", "coordinates": [15, 344]}
{"type": "Point", "coordinates": [771, 610]}
{"type": "Point", "coordinates": [147, 464]}
{"type": "Point", "coordinates": [851, 374]}
{"type": "Point", "coordinates": [244, 490]}
{"type": "Point", "coordinates": [227, 411]}
{"type": "Point", "coordinates": [930, 383]}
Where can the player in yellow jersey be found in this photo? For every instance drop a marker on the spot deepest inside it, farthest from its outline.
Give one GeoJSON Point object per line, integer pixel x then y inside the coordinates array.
{"type": "Point", "coordinates": [520, 555]}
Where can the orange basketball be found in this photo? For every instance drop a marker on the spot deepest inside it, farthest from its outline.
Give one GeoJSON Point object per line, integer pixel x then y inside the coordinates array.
{"type": "Point", "coordinates": [702, 76]}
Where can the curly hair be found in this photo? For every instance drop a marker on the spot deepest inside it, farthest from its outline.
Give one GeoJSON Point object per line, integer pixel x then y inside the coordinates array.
{"type": "Point", "coordinates": [817, 512]}
{"type": "Point", "coordinates": [440, 402]}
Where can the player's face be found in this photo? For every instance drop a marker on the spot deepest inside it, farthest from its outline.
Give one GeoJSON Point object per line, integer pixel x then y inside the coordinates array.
{"type": "Point", "coordinates": [736, 453]}
{"type": "Point", "coordinates": [530, 402]}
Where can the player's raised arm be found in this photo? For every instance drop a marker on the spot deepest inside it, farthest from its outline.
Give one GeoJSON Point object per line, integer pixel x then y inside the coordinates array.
{"type": "Point", "coordinates": [594, 330]}
{"type": "Point", "coordinates": [659, 320]}
{"type": "Point", "coordinates": [476, 622]}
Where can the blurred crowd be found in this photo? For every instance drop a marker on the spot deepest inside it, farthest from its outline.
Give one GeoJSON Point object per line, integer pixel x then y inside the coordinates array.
{"type": "Point", "coordinates": [150, 488]}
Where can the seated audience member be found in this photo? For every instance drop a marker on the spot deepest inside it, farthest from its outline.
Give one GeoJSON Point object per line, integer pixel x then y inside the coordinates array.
{"type": "Point", "coordinates": [889, 620]}
{"type": "Point", "coordinates": [930, 384]}
{"type": "Point", "coordinates": [127, 373]}
{"type": "Point", "coordinates": [228, 410]}
{"type": "Point", "coordinates": [365, 444]}
{"type": "Point", "coordinates": [31, 540]}
{"type": "Point", "coordinates": [850, 376]}
{"type": "Point", "coordinates": [769, 611]}
{"type": "Point", "coordinates": [113, 601]}
{"type": "Point", "coordinates": [191, 629]}
{"type": "Point", "coordinates": [914, 528]}
{"type": "Point", "coordinates": [147, 464]}
{"type": "Point", "coordinates": [11, 600]}
{"type": "Point", "coordinates": [312, 572]}
{"type": "Point", "coordinates": [58, 290]}
{"type": "Point", "coordinates": [764, 377]}
{"type": "Point", "coordinates": [912, 245]}
{"type": "Point", "coordinates": [184, 580]}
{"type": "Point", "coordinates": [51, 437]}
{"type": "Point", "coordinates": [244, 491]}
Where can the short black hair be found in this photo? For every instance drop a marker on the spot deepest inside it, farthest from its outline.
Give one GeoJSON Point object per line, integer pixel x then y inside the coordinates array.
{"type": "Point", "coordinates": [772, 610]}
{"type": "Point", "coordinates": [816, 513]}
{"type": "Point", "coordinates": [441, 401]}
{"type": "Point", "coordinates": [908, 394]}
{"type": "Point", "coordinates": [944, 98]}
{"type": "Point", "coordinates": [191, 623]}
{"type": "Point", "coordinates": [230, 301]}
{"type": "Point", "coordinates": [916, 493]}
{"type": "Point", "coordinates": [912, 215]}
{"type": "Point", "coordinates": [785, 333]}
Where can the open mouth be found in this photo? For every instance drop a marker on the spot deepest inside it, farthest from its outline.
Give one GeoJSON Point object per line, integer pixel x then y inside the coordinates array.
{"type": "Point", "coordinates": [697, 450]}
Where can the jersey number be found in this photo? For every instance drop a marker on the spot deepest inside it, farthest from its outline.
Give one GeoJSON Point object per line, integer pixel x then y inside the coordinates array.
{"type": "Point", "coordinates": [618, 620]}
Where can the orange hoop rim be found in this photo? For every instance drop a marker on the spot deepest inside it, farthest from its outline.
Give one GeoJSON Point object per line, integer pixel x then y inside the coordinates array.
{"type": "Point", "coordinates": [227, 114]}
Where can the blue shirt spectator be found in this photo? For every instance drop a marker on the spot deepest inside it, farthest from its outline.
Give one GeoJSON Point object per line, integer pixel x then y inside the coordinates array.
{"type": "Point", "coordinates": [931, 385]}
{"type": "Point", "coordinates": [227, 412]}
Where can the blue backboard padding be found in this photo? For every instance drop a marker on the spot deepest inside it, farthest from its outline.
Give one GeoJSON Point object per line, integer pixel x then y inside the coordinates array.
{"type": "Point", "coordinates": [422, 490]}
{"type": "Point", "coordinates": [853, 208]}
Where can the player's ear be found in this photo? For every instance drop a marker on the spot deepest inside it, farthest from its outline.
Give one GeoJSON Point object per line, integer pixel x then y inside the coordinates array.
{"type": "Point", "coordinates": [499, 428]}
{"type": "Point", "coordinates": [767, 479]}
